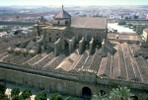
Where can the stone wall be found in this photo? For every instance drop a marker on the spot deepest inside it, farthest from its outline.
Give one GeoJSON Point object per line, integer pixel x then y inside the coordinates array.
{"type": "Point", "coordinates": [48, 83]}
{"type": "Point", "coordinates": [71, 87]}
{"type": "Point", "coordinates": [52, 35]}
{"type": "Point", "coordinates": [97, 34]}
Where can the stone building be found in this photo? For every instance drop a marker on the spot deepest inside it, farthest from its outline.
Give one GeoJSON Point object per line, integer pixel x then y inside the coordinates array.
{"type": "Point", "coordinates": [73, 55]}
{"type": "Point", "coordinates": [145, 35]}
{"type": "Point", "coordinates": [71, 32]}
{"type": "Point", "coordinates": [143, 50]}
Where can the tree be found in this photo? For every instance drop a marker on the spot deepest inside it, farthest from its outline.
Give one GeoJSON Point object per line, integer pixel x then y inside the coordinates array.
{"type": "Point", "coordinates": [5, 98]}
{"type": "Point", "coordinates": [26, 93]}
{"type": "Point", "coordinates": [59, 97]}
{"type": "Point", "coordinates": [15, 92]}
{"type": "Point", "coordinates": [43, 20]}
{"type": "Point", "coordinates": [41, 96]}
{"type": "Point", "coordinates": [75, 99]}
{"type": "Point", "coordinates": [2, 88]}
{"type": "Point", "coordinates": [136, 17]}
{"type": "Point", "coordinates": [1, 95]}
{"type": "Point", "coordinates": [68, 98]}
{"type": "Point", "coordinates": [18, 98]}
{"type": "Point", "coordinates": [120, 93]}
{"type": "Point", "coordinates": [21, 98]}
{"type": "Point", "coordinates": [53, 96]}
{"type": "Point", "coordinates": [99, 96]}
{"type": "Point", "coordinates": [2, 91]}
{"type": "Point", "coordinates": [122, 23]}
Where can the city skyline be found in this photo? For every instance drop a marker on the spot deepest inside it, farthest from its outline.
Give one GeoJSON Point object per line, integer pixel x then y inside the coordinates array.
{"type": "Point", "coordinates": [72, 2]}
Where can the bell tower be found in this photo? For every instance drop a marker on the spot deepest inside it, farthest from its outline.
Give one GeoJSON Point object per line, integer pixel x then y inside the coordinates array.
{"type": "Point", "coordinates": [62, 18]}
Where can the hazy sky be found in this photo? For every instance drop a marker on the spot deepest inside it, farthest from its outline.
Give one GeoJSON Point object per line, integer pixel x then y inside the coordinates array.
{"type": "Point", "coordinates": [73, 2]}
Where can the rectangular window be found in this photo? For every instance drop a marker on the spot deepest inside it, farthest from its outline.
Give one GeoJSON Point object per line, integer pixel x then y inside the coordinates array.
{"type": "Point", "coordinates": [49, 39]}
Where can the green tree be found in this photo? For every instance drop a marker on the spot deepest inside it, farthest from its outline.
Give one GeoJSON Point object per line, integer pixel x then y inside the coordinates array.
{"type": "Point", "coordinates": [1, 95]}
{"type": "Point", "coordinates": [15, 92]}
{"type": "Point", "coordinates": [18, 98]}
{"type": "Point", "coordinates": [26, 93]}
{"type": "Point", "coordinates": [120, 93]}
{"type": "Point", "coordinates": [2, 91]}
{"type": "Point", "coordinates": [41, 96]}
{"type": "Point", "coordinates": [75, 98]}
{"type": "Point", "coordinates": [5, 98]}
{"type": "Point", "coordinates": [21, 97]}
{"type": "Point", "coordinates": [59, 97]}
{"type": "Point", "coordinates": [2, 88]}
{"type": "Point", "coordinates": [43, 20]}
{"type": "Point", "coordinates": [68, 98]}
{"type": "Point", "coordinates": [122, 23]}
{"type": "Point", "coordinates": [99, 96]}
{"type": "Point", "coordinates": [53, 96]}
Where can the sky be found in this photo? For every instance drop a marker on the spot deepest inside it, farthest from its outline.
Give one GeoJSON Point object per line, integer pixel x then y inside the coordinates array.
{"type": "Point", "coordinates": [72, 2]}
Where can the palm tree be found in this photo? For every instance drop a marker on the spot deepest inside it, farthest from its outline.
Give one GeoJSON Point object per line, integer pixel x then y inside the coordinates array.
{"type": "Point", "coordinates": [120, 93]}
{"type": "Point", "coordinates": [68, 98]}
{"type": "Point", "coordinates": [99, 97]}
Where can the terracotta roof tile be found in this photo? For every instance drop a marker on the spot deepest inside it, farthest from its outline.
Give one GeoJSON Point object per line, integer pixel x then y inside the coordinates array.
{"type": "Point", "coordinates": [62, 14]}
{"type": "Point", "coordinates": [89, 22]}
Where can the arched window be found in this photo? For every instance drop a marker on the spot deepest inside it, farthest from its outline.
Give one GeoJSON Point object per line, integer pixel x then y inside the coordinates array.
{"type": "Point", "coordinates": [58, 22]}
{"type": "Point", "coordinates": [49, 39]}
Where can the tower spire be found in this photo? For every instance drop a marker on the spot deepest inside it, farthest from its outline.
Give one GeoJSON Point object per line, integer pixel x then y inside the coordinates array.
{"type": "Point", "coordinates": [62, 7]}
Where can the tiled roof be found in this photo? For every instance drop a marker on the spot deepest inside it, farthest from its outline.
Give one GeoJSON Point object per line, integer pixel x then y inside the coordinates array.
{"type": "Point", "coordinates": [89, 22]}
{"type": "Point", "coordinates": [62, 15]}
{"type": "Point", "coordinates": [127, 37]}
{"type": "Point", "coordinates": [143, 51]}
{"type": "Point", "coordinates": [123, 65]}
{"type": "Point", "coordinates": [146, 30]}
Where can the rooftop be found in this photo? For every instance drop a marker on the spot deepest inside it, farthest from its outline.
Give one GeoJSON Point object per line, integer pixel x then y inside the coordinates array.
{"type": "Point", "coordinates": [146, 30]}
{"type": "Point", "coordinates": [120, 28]}
{"type": "Point", "coordinates": [62, 15]}
{"type": "Point", "coordinates": [121, 65]}
{"type": "Point", "coordinates": [126, 37]}
{"type": "Point", "coordinates": [89, 22]}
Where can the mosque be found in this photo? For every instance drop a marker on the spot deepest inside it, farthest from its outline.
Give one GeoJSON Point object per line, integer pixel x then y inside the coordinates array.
{"type": "Point", "coordinates": [73, 55]}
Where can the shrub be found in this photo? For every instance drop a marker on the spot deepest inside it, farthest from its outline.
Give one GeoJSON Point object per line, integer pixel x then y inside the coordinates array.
{"type": "Point", "coordinates": [41, 96]}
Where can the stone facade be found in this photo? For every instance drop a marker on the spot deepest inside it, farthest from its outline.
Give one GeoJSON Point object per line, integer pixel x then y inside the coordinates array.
{"type": "Point", "coordinates": [73, 85]}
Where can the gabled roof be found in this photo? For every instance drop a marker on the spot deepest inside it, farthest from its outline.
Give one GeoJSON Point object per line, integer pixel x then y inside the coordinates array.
{"type": "Point", "coordinates": [89, 22]}
{"type": "Point", "coordinates": [62, 15]}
